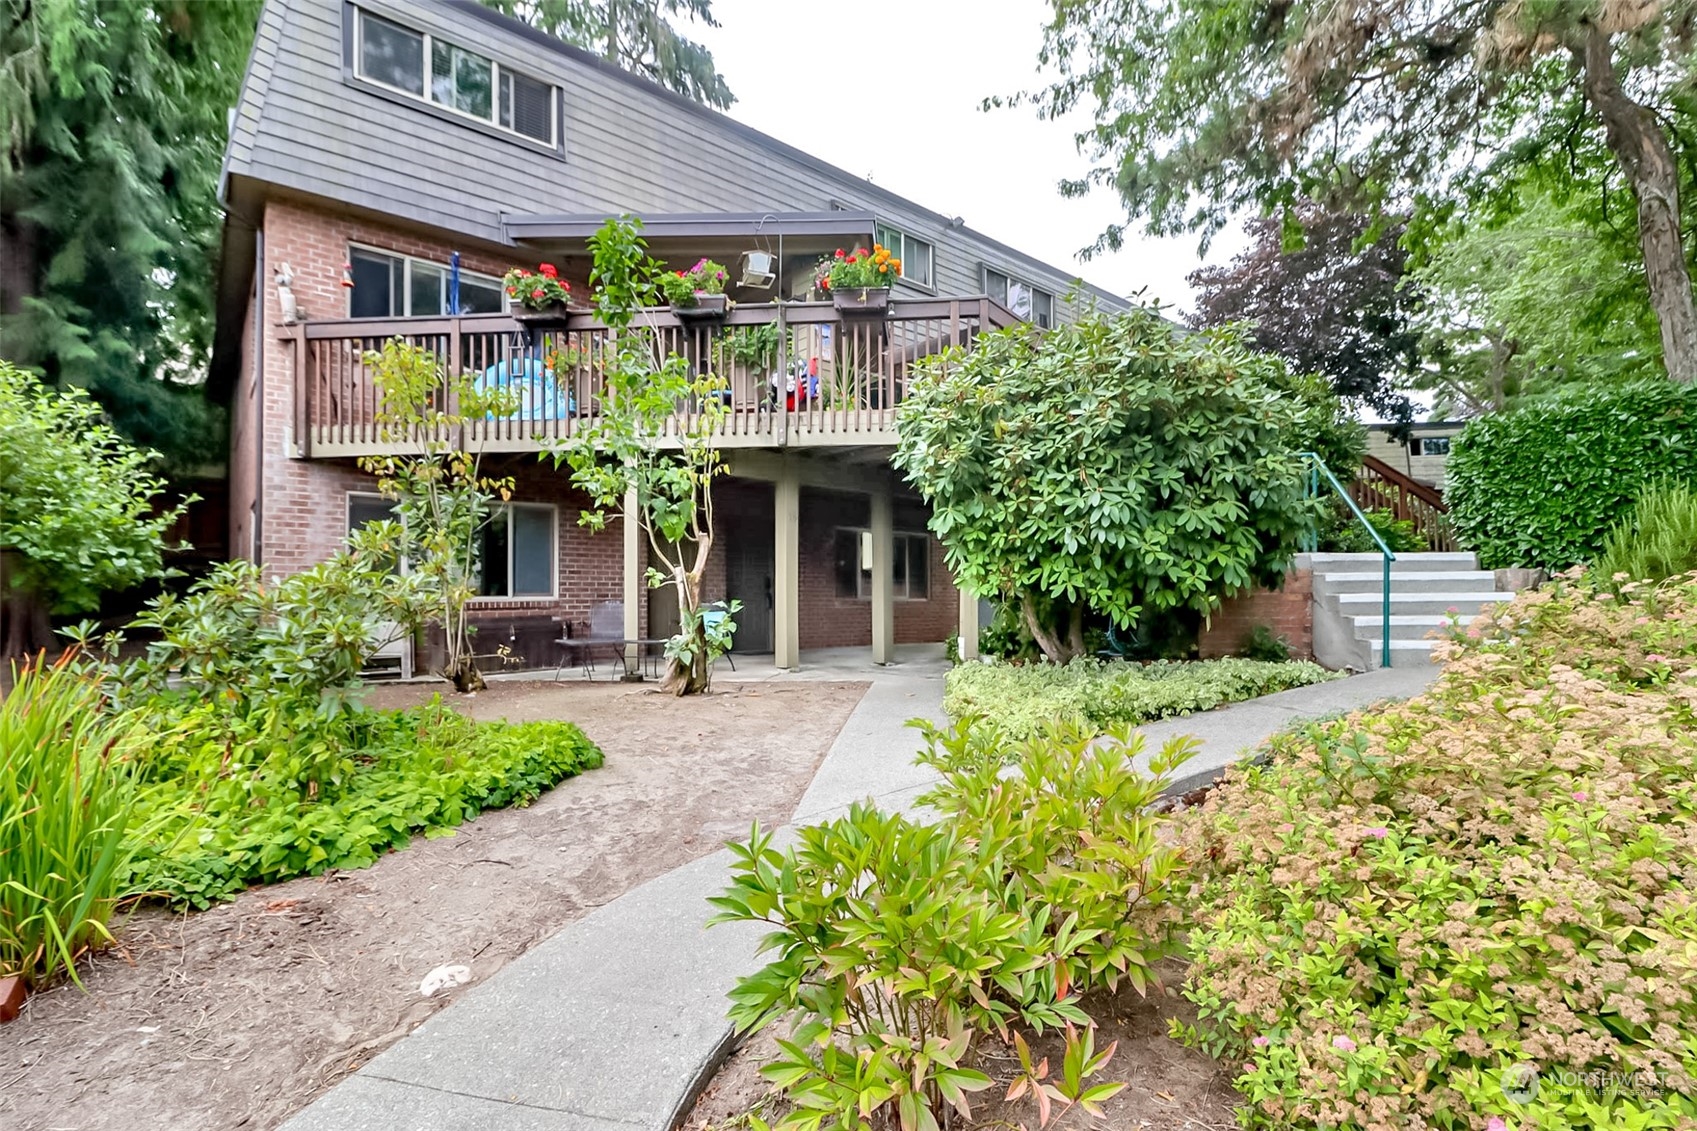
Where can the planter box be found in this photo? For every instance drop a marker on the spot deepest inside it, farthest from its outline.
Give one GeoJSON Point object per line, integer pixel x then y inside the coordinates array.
{"type": "Point", "coordinates": [706, 309]}
{"type": "Point", "coordinates": [862, 302]}
{"type": "Point", "coordinates": [554, 314]}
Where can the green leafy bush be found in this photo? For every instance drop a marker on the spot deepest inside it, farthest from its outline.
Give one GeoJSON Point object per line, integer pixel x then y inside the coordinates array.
{"type": "Point", "coordinates": [1543, 485]}
{"type": "Point", "coordinates": [219, 815]}
{"type": "Point", "coordinates": [1112, 465]}
{"type": "Point", "coordinates": [1345, 534]}
{"type": "Point", "coordinates": [898, 943]}
{"type": "Point", "coordinates": [1657, 541]}
{"type": "Point", "coordinates": [66, 788]}
{"type": "Point", "coordinates": [1413, 907]}
{"type": "Point", "coordinates": [1089, 693]}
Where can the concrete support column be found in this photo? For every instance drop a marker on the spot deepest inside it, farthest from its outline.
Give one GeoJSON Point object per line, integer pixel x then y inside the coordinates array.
{"type": "Point", "coordinates": [786, 570]}
{"type": "Point", "coordinates": [634, 572]}
{"type": "Point", "coordinates": [969, 627]}
{"type": "Point", "coordinates": [883, 562]}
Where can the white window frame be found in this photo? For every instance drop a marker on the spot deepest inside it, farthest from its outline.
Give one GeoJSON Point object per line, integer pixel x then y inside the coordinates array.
{"type": "Point", "coordinates": [863, 583]}
{"type": "Point", "coordinates": [407, 262]}
{"type": "Point", "coordinates": [880, 228]}
{"type": "Point", "coordinates": [1424, 440]}
{"type": "Point", "coordinates": [553, 593]}
{"type": "Point", "coordinates": [496, 67]}
{"type": "Point", "coordinates": [990, 269]}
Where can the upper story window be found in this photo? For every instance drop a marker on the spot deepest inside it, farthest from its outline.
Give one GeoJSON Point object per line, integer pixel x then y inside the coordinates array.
{"type": "Point", "coordinates": [1030, 303]}
{"type": "Point", "coordinates": [1431, 445]}
{"type": "Point", "coordinates": [429, 67]}
{"type": "Point", "coordinates": [916, 255]}
{"type": "Point", "coordinates": [387, 285]}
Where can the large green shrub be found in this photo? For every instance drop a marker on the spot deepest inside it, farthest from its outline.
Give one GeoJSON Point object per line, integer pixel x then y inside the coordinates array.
{"type": "Point", "coordinates": [1656, 541]}
{"type": "Point", "coordinates": [1022, 698]}
{"type": "Point", "coordinates": [1113, 464]}
{"type": "Point", "coordinates": [1414, 907]}
{"type": "Point", "coordinates": [217, 816]}
{"type": "Point", "coordinates": [1543, 485]}
{"type": "Point", "coordinates": [898, 943]}
{"type": "Point", "coordinates": [65, 793]}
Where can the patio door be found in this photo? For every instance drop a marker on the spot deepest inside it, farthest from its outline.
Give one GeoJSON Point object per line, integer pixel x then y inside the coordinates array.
{"type": "Point", "coordinates": [748, 578]}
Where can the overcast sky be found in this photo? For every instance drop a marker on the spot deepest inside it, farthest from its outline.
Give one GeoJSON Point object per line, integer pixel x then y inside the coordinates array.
{"type": "Point", "coordinates": [928, 64]}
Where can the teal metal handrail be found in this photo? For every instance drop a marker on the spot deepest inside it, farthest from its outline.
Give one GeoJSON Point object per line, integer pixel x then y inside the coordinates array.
{"type": "Point", "coordinates": [1316, 468]}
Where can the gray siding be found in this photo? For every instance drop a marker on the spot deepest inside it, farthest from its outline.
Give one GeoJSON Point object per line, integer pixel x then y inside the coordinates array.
{"type": "Point", "coordinates": [629, 145]}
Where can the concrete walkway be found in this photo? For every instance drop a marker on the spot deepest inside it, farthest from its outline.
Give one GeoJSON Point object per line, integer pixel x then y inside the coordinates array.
{"type": "Point", "coordinates": [618, 1020]}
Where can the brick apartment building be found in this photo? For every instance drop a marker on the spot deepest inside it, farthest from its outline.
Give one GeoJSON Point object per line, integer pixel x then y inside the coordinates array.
{"type": "Point", "coordinates": [386, 159]}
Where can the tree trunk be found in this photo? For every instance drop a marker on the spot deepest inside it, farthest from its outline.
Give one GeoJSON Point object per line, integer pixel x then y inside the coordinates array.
{"type": "Point", "coordinates": [1061, 649]}
{"type": "Point", "coordinates": [1641, 147]}
{"type": "Point", "coordinates": [28, 630]}
{"type": "Point", "coordinates": [696, 676]}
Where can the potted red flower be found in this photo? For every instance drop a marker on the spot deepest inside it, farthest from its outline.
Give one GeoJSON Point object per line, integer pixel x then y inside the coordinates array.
{"type": "Point", "coordinates": [698, 293]}
{"type": "Point", "coordinates": [859, 281]}
{"type": "Point", "coordinates": [543, 294]}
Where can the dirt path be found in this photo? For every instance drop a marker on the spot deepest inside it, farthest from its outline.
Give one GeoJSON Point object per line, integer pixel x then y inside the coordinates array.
{"type": "Point", "coordinates": [239, 1016]}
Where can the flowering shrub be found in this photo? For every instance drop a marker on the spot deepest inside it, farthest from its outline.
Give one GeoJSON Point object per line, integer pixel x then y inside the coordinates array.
{"type": "Point", "coordinates": [682, 287]}
{"type": "Point", "coordinates": [1415, 914]}
{"type": "Point", "coordinates": [1090, 693]}
{"type": "Point", "coordinates": [537, 289]}
{"type": "Point", "coordinates": [858, 269]}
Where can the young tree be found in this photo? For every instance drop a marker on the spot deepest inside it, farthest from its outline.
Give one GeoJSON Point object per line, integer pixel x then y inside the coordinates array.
{"type": "Point", "coordinates": [112, 126]}
{"type": "Point", "coordinates": [1327, 306]}
{"type": "Point", "coordinates": [635, 35]}
{"type": "Point", "coordinates": [1202, 111]}
{"type": "Point", "coordinates": [635, 466]}
{"type": "Point", "coordinates": [1116, 464]}
{"type": "Point", "coordinates": [442, 498]}
{"type": "Point", "coordinates": [78, 516]}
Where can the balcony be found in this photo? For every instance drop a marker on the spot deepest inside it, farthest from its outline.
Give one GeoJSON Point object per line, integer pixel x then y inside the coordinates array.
{"type": "Point", "coordinates": [825, 380]}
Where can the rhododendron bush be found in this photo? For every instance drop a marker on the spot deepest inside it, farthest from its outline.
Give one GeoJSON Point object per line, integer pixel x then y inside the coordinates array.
{"type": "Point", "coordinates": [1474, 909]}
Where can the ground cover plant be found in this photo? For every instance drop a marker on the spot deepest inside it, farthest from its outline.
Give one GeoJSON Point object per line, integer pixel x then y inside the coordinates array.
{"type": "Point", "coordinates": [1410, 911]}
{"type": "Point", "coordinates": [216, 815]}
{"type": "Point", "coordinates": [899, 944]}
{"type": "Point", "coordinates": [66, 789]}
{"type": "Point", "coordinates": [1097, 695]}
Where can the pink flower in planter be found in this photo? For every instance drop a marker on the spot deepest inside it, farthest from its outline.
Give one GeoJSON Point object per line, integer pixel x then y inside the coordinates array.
{"type": "Point", "coordinates": [1343, 1044]}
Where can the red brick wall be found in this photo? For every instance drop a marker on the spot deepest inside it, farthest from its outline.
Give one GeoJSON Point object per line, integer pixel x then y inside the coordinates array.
{"type": "Point", "coordinates": [830, 621]}
{"type": "Point", "coordinates": [1287, 611]}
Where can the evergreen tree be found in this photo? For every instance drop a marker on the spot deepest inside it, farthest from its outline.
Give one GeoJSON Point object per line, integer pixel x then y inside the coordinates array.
{"type": "Point", "coordinates": [113, 120]}
{"type": "Point", "coordinates": [635, 35]}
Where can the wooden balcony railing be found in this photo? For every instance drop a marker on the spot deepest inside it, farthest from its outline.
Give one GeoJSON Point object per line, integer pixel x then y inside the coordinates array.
{"type": "Point", "coordinates": [823, 379]}
{"type": "Point", "coordinates": [1379, 486]}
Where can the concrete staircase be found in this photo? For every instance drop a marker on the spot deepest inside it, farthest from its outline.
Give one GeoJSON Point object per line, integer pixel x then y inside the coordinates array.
{"type": "Point", "coordinates": [1349, 621]}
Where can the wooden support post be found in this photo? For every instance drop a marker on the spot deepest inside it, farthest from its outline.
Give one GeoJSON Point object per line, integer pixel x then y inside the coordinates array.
{"type": "Point", "coordinates": [883, 572]}
{"type": "Point", "coordinates": [786, 570]}
{"type": "Point", "coordinates": [969, 627]}
{"type": "Point", "coordinates": [633, 582]}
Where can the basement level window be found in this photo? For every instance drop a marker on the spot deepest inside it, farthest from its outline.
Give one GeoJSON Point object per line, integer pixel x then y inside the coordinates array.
{"type": "Point", "coordinates": [436, 70]}
{"type": "Point", "coordinates": [909, 568]}
{"type": "Point", "coordinates": [517, 552]}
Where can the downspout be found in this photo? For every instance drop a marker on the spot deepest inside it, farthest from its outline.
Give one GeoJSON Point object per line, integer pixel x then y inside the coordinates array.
{"type": "Point", "coordinates": [259, 395]}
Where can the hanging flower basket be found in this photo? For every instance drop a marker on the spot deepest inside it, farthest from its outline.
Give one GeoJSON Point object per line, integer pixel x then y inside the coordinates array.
{"type": "Point", "coordinates": [705, 308]}
{"type": "Point", "coordinates": [861, 302]}
{"type": "Point", "coordinates": [554, 314]}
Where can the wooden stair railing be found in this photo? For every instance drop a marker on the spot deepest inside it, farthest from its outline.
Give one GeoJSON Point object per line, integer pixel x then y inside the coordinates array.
{"type": "Point", "coordinates": [1379, 486]}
